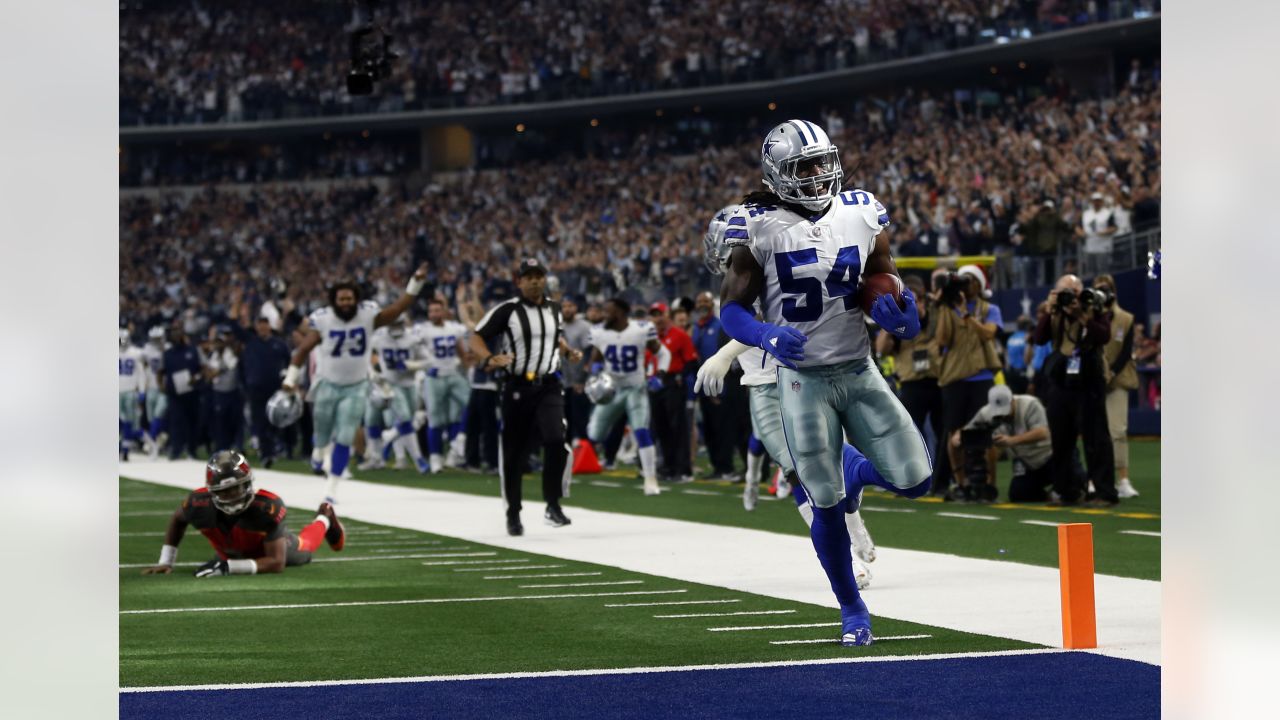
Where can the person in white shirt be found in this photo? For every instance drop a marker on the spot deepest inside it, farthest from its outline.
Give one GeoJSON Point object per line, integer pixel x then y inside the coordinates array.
{"type": "Point", "coordinates": [1099, 227]}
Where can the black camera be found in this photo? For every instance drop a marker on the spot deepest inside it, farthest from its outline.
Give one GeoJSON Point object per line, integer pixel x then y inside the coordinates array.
{"type": "Point", "coordinates": [951, 286]}
{"type": "Point", "coordinates": [371, 55]}
{"type": "Point", "coordinates": [974, 444]}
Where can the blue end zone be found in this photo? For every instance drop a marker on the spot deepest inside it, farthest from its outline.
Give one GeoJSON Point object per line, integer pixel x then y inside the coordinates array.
{"type": "Point", "coordinates": [1054, 685]}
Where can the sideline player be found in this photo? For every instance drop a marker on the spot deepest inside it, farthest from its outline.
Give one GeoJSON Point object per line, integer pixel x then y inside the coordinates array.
{"type": "Point", "coordinates": [393, 398]}
{"type": "Point", "coordinates": [760, 378]}
{"type": "Point", "coordinates": [800, 248]}
{"type": "Point", "coordinates": [342, 333]}
{"type": "Point", "coordinates": [157, 402]}
{"type": "Point", "coordinates": [245, 528]}
{"type": "Point", "coordinates": [133, 383]}
{"type": "Point", "coordinates": [617, 348]}
{"type": "Point", "coordinates": [446, 389]}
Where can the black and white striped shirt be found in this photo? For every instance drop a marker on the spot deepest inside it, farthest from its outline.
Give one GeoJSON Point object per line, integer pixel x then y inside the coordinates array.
{"type": "Point", "coordinates": [531, 333]}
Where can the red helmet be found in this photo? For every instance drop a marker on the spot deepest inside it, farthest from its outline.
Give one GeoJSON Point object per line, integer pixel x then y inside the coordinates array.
{"type": "Point", "coordinates": [230, 481]}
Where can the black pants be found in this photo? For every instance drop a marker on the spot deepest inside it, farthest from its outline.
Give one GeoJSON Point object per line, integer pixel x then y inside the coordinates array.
{"type": "Point", "coordinates": [923, 401]}
{"type": "Point", "coordinates": [1080, 411]}
{"type": "Point", "coordinates": [482, 428]}
{"type": "Point", "coordinates": [227, 416]}
{"type": "Point", "coordinates": [735, 414]}
{"type": "Point", "coordinates": [268, 439]}
{"type": "Point", "coordinates": [1031, 485]}
{"type": "Point", "coordinates": [716, 435]}
{"type": "Point", "coordinates": [671, 428]}
{"type": "Point", "coordinates": [961, 400]}
{"type": "Point", "coordinates": [533, 414]}
{"type": "Point", "coordinates": [578, 412]}
{"type": "Point", "coordinates": [184, 413]}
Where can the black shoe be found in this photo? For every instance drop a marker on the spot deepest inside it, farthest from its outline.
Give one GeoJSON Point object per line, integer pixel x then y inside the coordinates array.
{"type": "Point", "coordinates": [268, 461]}
{"type": "Point", "coordinates": [514, 527]}
{"type": "Point", "coordinates": [555, 516]}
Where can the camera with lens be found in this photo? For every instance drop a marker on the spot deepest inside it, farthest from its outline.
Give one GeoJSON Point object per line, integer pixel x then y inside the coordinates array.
{"type": "Point", "coordinates": [1090, 299]}
{"type": "Point", "coordinates": [952, 285]}
{"type": "Point", "coordinates": [371, 55]}
{"type": "Point", "coordinates": [975, 442]}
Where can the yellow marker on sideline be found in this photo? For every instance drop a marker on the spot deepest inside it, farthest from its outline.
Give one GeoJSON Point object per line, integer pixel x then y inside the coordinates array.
{"type": "Point", "coordinates": [1075, 570]}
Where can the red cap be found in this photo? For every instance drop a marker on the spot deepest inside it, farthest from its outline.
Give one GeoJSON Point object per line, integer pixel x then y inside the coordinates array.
{"type": "Point", "coordinates": [658, 307]}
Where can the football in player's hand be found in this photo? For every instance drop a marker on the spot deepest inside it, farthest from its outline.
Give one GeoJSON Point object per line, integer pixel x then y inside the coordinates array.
{"type": "Point", "coordinates": [873, 286]}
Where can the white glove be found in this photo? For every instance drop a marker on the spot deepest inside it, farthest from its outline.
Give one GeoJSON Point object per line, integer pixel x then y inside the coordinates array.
{"type": "Point", "coordinates": [419, 419]}
{"type": "Point", "coordinates": [710, 381]}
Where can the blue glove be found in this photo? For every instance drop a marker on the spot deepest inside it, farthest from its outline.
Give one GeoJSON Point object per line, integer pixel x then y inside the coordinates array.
{"type": "Point", "coordinates": [596, 368]}
{"type": "Point", "coordinates": [904, 324]}
{"type": "Point", "coordinates": [655, 383]}
{"type": "Point", "coordinates": [783, 343]}
{"type": "Point", "coordinates": [433, 372]}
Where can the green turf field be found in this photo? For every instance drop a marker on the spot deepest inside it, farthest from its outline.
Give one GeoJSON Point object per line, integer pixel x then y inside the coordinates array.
{"type": "Point", "coordinates": [387, 630]}
{"type": "Point", "coordinates": [892, 521]}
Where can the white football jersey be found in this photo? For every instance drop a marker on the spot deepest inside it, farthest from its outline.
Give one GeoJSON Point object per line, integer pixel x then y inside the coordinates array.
{"type": "Point", "coordinates": [133, 369]}
{"type": "Point", "coordinates": [342, 357]}
{"type": "Point", "coordinates": [442, 343]}
{"type": "Point", "coordinates": [155, 363]}
{"type": "Point", "coordinates": [811, 270]}
{"type": "Point", "coordinates": [623, 350]}
{"type": "Point", "coordinates": [394, 351]}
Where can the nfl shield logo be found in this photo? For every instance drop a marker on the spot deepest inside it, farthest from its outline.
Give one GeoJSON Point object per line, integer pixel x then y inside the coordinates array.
{"type": "Point", "coordinates": [795, 386]}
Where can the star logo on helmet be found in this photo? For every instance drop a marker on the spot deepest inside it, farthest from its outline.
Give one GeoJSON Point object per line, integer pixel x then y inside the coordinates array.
{"type": "Point", "coordinates": [768, 144]}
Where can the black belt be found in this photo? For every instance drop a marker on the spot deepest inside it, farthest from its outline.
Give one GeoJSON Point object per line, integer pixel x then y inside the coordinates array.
{"type": "Point", "coordinates": [531, 380]}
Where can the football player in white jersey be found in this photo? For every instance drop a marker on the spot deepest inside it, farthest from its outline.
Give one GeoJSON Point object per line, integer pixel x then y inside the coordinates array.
{"type": "Point", "coordinates": [133, 382]}
{"type": "Point", "coordinates": [157, 402]}
{"type": "Point", "coordinates": [801, 249]}
{"type": "Point", "coordinates": [446, 389]}
{"type": "Point", "coordinates": [393, 396]}
{"type": "Point", "coordinates": [342, 334]}
{"type": "Point", "coordinates": [617, 348]}
{"type": "Point", "coordinates": [759, 376]}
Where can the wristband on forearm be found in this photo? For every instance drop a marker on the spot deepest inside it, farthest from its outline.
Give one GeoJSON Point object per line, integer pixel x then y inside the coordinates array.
{"type": "Point", "coordinates": [168, 555]}
{"type": "Point", "coordinates": [291, 375]}
{"type": "Point", "coordinates": [242, 567]}
{"type": "Point", "coordinates": [741, 324]}
{"type": "Point", "coordinates": [415, 286]}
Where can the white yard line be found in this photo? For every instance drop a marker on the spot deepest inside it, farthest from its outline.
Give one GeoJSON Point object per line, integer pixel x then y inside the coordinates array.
{"type": "Point", "coordinates": [348, 558]}
{"type": "Point", "coordinates": [1041, 523]}
{"type": "Point", "coordinates": [873, 508]}
{"type": "Point", "coordinates": [507, 569]}
{"type": "Point", "coordinates": [542, 575]}
{"type": "Point", "coordinates": [727, 614]}
{"type": "Point", "coordinates": [772, 627]}
{"type": "Point", "coordinates": [408, 549]}
{"type": "Point", "coordinates": [890, 638]}
{"type": "Point", "coordinates": [147, 513]}
{"type": "Point", "coordinates": [159, 533]}
{"type": "Point", "coordinates": [695, 491]}
{"type": "Point", "coordinates": [605, 483]}
{"type": "Point", "coordinates": [966, 516]}
{"type": "Point", "coordinates": [368, 603]}
{"type": "Point", "coordinates": [782, 566]}
{"type": "Point", "coordinates": [1144, 533]}
{"type": "Point", "coordinates": [676, 602]}
{"type": "Point", "coordinates": [844, 660]}
{"type": "Point", "coordinates": [586, 584]}
{"type": "Point", "coordinates": [474, 562]}
{"type": "Point", "coordinates": [393, 543]}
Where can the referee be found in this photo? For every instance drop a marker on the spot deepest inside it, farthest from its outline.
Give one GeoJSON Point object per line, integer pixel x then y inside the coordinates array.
{"type": "Point", "coordinates": [531, 340]}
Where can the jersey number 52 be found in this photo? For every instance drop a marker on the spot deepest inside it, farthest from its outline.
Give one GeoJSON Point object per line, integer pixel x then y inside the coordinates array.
{"type": "Point", "coordinates": [841, 282]}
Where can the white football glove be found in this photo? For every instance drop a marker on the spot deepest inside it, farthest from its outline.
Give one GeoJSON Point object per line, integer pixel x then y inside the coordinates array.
{"type": "Point", "coordinates": [710, 381]}
{"type": "Point", "coordinates": [419, 419]}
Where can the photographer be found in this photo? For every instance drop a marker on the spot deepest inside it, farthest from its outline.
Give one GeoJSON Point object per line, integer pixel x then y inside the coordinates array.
{"type": "Point", "coordinates": [916, 363]}
{"type": "Point", "coordinates": [965, 337]}
{"type": "Point", "coordinates": [1077, 325]}
{"type": "Point", "coordinates": [1017, 423]}
{"type": "Point", "coordinates": [1122, 377]}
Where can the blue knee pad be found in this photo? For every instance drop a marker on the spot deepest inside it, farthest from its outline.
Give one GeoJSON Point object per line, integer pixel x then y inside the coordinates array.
{"type": "Point", "coordinates": [754, 446]}
{"type": "Point", "coordinates": [643, 438]}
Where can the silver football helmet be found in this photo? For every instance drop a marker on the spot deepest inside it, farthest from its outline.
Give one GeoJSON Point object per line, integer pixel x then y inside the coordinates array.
{"type": "Point", "coordinates": [284, 408]}
{"type": "Point", "coordinates": [800, 164]}
{"type": "Point", "coordinates": [155, 336]}
{"type": "Point", "coordinates": [601, 388]}
{"type": "Point", "coordinates": [717, 251]}
{"type": "Point", "coordinates": [125, 341]}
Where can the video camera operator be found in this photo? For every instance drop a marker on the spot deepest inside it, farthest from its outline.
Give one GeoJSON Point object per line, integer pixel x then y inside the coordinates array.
{"type": "Point", "coordinates": [1076, 324]}
{"type": "Point", "coordinates": [965, 336]}
{"type": "Point", "coordinates": [1019, 424]}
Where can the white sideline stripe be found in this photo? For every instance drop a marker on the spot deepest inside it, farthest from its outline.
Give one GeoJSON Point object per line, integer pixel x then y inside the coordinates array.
{"type": "Point", "coordinates": [358, 531]}
{"type": "Point", "coordinates": [368, 603]}
{"type": "Point", "coordinates": [589, 584]}
{"type": "Point", "coordinates": [605, 483]}
{"type": "Point", "coordinates": [542, 575]}
{"type": "Point", "coordinates": [966, 516]}
{"type": "Point", "coordinates": [354, 558]}
{"type": "Point", "coordinates": [727, 614]}
{"type": "Point", "coordinates": [853, 659]}
{"type": "Point", "coordinates": [473, 562]}
{"type": "Point", "coordinates": [1146, 533]}
{"type": "Point", "coordinates": [1042, 523]}
{"type": "Point", "coordinates": [507, 569]}
{"type": "Point", "coordinates": [675, 602]}
{"type": "Point", "coordinates": [408, 549]}
{"type": "Point", "coordinates": [695, 491]}
{"type": "Point", "coordinates": [773, 627]}
{"type": "Point", "coordinates": [890, 638]}
{"type": "Point", "coordinates": [872, 508]}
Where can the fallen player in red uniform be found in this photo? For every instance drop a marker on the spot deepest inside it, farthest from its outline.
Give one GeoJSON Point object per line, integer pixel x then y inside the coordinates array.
{"type": "Point", "coordinates": [245, 528]}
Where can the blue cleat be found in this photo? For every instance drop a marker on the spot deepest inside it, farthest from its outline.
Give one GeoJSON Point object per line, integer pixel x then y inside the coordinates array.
{"type": "Point", "coordinates": [859, 636]}
{"type": "Point", "coordinates": [423, 466]}
{"type": "Point", "coordinates": [856, 625]}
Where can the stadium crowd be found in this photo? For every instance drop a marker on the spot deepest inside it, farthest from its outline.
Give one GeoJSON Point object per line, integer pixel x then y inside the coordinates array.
{"type": "Point", "coordinates": [240, 60]}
